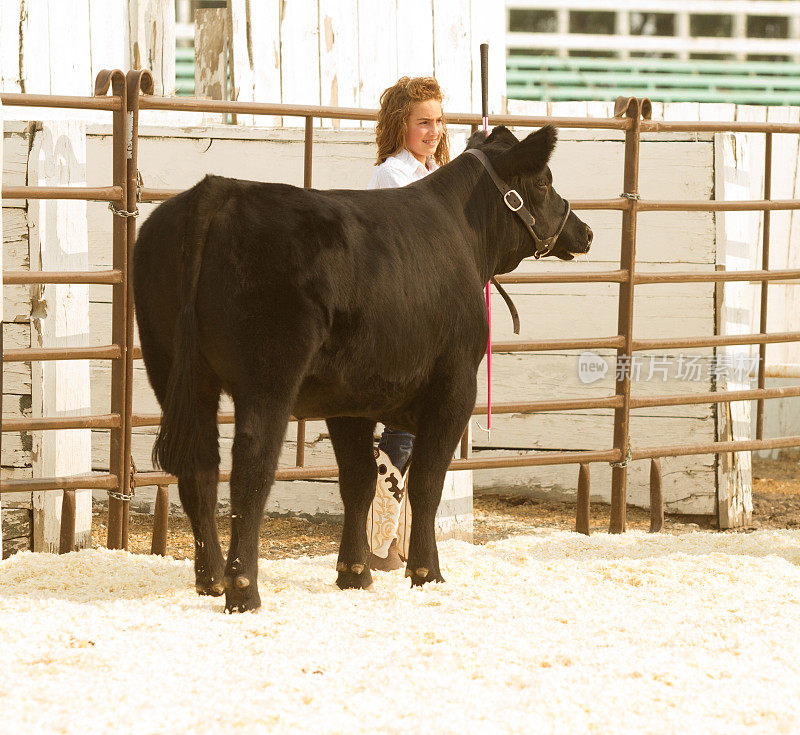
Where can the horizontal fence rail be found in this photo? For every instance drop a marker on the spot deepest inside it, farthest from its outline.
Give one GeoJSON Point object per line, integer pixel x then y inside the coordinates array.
{"type": "Point", "coordinates": [631, 121]}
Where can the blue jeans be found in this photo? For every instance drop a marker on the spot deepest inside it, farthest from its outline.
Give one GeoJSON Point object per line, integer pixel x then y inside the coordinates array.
{"type": "Point", "coordinates": [398, 445]}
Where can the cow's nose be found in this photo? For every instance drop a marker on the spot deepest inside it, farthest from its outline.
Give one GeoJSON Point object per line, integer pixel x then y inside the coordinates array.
{"type": "Point", "coordinates": [589, 235]}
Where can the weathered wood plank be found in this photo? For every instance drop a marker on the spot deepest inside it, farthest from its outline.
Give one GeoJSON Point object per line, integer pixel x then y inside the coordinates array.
{"type": "Point", "coordinates": [16, 523]}
{"type": "Point", "coordinates": [71, 64]}
{"type": "Point", "coordinates": [36, 63]}
{"type": "Point", "coordinates": [338, 52]}
{"type": "Point", "coordinates": [15, 239]}
{"type": "Point", "coordinates": [9, 45]}
{"type": "Point", "coordinates": [300, 52]}
{"type": "Point", "coordinates": [487, 25]}
{"type": "Point", "coordinates": [377, 52]}
{"type": "Point", "coordinates": [240, 44]}
{"type": "Point", "coordinates": [688, 482]}
{"type": "Point", "coordinates": [265, 26]}
{"type": "Point", "coordinates": [15, 545]}
{"type": "Point", "coordinates": [59, 241]}
{"type": "Point", "coordinates": [151, 39]}
{"type": "Point", "coordinates": [415, 38]}
{"type": "Point", "coordinates": [2, 534]}
{"type": "Point", "coordinates": [453, 54]}
{"type": "Point", "coordinates": [210, 57]}
{"type": "Point", "coordinates": [108, 36]}
{"type": "Point", "coordinates": [16, 142]}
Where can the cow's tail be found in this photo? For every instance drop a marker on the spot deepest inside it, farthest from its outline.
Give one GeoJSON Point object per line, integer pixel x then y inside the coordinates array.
{"type": "Point", "coordinates": [176, 446]}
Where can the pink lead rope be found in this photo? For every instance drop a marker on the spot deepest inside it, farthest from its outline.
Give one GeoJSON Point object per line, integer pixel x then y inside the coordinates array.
{"type": "Point", "coordinates": [485, 112]}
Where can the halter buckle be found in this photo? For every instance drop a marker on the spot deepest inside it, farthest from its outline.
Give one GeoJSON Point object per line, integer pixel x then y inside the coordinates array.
{"type": "Point", "coordinates": [509, 204]}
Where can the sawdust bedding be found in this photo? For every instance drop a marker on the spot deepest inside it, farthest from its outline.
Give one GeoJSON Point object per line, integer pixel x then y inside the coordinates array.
{"type": "Point", "coordinates": [549, 632]}
{"type": "Point", "coordinates": [537, 630]}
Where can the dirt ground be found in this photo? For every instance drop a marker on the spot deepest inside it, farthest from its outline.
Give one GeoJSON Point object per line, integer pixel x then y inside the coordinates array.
{"type": "Point", "coordinates": [776, 504]}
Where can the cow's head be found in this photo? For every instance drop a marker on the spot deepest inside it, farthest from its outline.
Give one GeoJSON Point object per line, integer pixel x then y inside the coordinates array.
{"type": "Point", "coordinates": [522, 165]}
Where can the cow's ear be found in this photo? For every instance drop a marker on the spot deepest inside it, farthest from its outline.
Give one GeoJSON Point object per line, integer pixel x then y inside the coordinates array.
{"type": "Point", "coordinates": [529, 155]}
{"type": "Point", "coordinates": [476, 139]}
{"type": "Point", "coordinates": [499, 134]}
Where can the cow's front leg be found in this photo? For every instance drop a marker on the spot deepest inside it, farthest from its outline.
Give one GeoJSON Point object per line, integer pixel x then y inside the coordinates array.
{"type": "Point", "coordinates": [445, 413]}
{"type": "Point", "coordinates": [352, 440]}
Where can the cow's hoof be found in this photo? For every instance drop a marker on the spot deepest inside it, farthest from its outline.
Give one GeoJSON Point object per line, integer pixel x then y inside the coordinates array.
{"type": "Point", "coordinates": [423, 575]}
{"type": "Point", "coordinates": [353, 576]}
{"type": "Point", "coordinates": [213, 589]}
{"type": "Point", "coordinates": [242, 600]}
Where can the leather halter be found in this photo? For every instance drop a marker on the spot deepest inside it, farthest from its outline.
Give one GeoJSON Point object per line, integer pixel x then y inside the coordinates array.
{"type": "Point", "coordinates": [513, 200]}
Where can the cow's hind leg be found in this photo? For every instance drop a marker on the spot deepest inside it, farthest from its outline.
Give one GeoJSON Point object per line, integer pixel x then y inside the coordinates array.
{"type": "Point", "coordinates": [352, 440]}
{"type": "Point", "coordinates": [446, 410]}
{"type": "Point", "coordinates": [261, 418]}
{"type": "Point", "coordinates": [198, 493]}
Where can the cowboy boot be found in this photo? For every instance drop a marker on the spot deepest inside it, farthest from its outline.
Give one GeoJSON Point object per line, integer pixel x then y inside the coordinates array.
{"type": "Point", "coordinates": [384, 514]}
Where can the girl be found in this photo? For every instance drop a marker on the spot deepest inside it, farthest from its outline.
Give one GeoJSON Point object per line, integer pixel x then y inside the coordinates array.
{"type": "Point", "coordinates": [412, 141]}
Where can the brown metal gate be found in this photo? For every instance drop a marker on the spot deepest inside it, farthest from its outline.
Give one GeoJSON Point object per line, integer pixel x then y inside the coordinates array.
{"type": "Point", "coordinates": [131, 92]}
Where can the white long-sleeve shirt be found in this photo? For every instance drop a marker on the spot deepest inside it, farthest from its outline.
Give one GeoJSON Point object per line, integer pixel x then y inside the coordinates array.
{"type": "Point", "coordinates": [399, 170]}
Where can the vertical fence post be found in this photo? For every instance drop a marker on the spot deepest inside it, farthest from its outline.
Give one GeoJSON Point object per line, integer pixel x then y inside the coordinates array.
{"type": "Point", "coordinates": [634, 109]}
{"type": "Point", "coordinates": [656, 496]}
{"type": "Point", "coordinates": [762, 348]}
{"type": "Point", "coordinates": [116, 81]}
{"type": "Point", "coordinates": [66, 541]}
{"type": "Point", "coordinates": [582, 511]}
{"type": "Point", "coordinates": [137, 80]}
{"type": "Point", "coordinates": [308, 146]}
{"type": "Point", "coordinates": [160, 521]}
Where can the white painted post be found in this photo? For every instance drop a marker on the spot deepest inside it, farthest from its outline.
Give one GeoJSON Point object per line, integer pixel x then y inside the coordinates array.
{"type": "Point", "coordinates": [452, 53]}
{"type": "Point", "coordinates": [151, 38]}
{"type": "Point", "coordinates": [34, 48]}
{"type": "Point", "coordinates": [739, 175]}
{"type": "Point", "coordinates": [377, 49]}
{"type": "Point", "coordinates": [1, 311]}
{"type": "Point", "coordinates": [9, 45]}
{"type": "Point", "coordinates": [682, 32]}
{"type": "Point", "coordinates": [622, 27]}
{"type": "Point", "coordinates": [740, 32]}
{"type": "Point", "coordinates": [487, 26]}
{"type": "Point", "coordinates": [562, 24]}
{"type": "Point", "coordinates": [300, 53]}
{"type": "Point", "coordinates": [60, 318]}
{"type": "Point", "coordinates": [70, 59]}
{"type": "Point", "coordinates": [265, 26]}
{"type": "Point", "coordinates": [338, 55]}
{"type": "Point", "coordinates": [210, 58]}
{"type": "Point", "coordinates": [415, 38]}
{"type": "Point", "coordinates": [240, 45]}
{"type": "Point", "coordinates": [110, 48]}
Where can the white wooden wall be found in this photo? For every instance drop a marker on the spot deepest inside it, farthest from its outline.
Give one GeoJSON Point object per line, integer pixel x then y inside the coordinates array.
{"type": "Point", "coordinates": [1, 287]}
{"type": "Point", "coordinates": [59, 46]}
{"type": "Point", "coordinates": [585, 166]}
{"type": "Point", "coordinates": [60, 318]}
{"type": "Point", "coordinates": [50, 235]}
{"type": "Point", "coordinates": [346, 52]}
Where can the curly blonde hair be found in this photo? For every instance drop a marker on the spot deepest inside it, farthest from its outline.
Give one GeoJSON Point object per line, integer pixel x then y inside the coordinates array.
{"type": "Point", "coordinates": [396, 104]}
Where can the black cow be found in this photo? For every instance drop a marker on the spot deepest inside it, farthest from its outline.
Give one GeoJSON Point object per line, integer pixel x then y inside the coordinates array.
{"type": "Point", "coordinates": [353, 306]}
